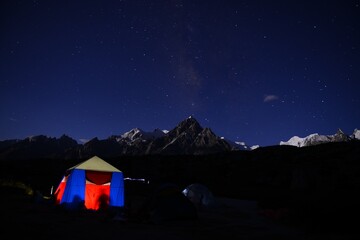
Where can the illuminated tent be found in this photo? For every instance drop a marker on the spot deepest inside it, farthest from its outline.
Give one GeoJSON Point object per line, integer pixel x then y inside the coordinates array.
{"type": "Point", "coordinates": [93, 184]}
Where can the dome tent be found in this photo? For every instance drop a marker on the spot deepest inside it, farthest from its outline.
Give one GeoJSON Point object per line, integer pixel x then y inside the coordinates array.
{"type": "Point", "coordinates": [199, 195]}
{"type": "Point", "coordinates": [167, 203]}
{"type": "Point", "coordinates": [93, 184]}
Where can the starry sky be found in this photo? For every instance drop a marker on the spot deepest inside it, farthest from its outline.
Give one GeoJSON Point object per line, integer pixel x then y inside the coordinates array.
{"type": "Point", "coordinates": [253, 71]}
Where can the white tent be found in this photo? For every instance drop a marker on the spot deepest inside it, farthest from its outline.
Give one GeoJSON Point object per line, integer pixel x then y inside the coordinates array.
{"type": "Point", "coordinates": [200, 195]}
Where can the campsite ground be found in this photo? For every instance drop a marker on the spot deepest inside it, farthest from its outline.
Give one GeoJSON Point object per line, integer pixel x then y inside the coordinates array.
{"type": "Point", "coordinates": [31, 217]}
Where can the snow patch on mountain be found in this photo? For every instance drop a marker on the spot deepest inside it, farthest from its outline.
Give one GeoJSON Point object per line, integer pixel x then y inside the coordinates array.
{"type": "Point", "coordinates": [253, 147]}
{"type": "Point", "coordinates": [82, 140]}
{"type": "Point", "coordinates": [356, 134]}
{"type": "Point", "coordinates": [315, 139]}
{"type": "Point", "coordinates": [299, 141]}
{"type": "Point", "coordinates": [137, 133]}
{"type": "Point", "coordinates": [239, 145]}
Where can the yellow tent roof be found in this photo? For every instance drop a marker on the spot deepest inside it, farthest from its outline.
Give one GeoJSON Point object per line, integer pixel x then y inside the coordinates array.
{"type": "Point", "coordinates": [95, 164]}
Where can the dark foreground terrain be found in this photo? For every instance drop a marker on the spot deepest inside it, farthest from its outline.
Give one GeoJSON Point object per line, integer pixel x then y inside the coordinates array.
{"type": "Point", "coordinates": [35, 217]}
{"type": "Point", "coordinates": [269, 193]}
{"type": "Point", "coordinates": [24, 216]}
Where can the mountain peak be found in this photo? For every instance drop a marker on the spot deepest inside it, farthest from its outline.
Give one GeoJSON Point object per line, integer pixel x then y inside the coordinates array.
{"type": "Point", "coordinates": [191, 119]}
{"type": "Point", "coordinates": [133, 133]}
{"type": "Point", "coordinates": [340, 132]}
{"type": "Point", "coordinates": [189, 126]}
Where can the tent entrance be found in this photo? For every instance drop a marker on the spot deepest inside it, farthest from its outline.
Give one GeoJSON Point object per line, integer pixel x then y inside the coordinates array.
{"type": "Point", "coordinates": [97, 196]}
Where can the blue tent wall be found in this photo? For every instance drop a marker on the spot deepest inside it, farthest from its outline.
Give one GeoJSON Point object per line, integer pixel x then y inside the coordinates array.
{"type": "Point", "coordinates": [74, 194]}
{"type": "Point", "coordinates": [117, 190]}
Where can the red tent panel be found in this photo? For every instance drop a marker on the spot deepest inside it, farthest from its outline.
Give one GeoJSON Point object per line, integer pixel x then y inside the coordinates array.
{"type": "Point", "coordinates": [60, 192]}
{"type": "Point", "coordinates": [96, 196]}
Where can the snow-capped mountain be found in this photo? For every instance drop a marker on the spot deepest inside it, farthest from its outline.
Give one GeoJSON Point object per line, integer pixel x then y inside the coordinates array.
{"type": "Point", "coordinates": [315, 139]}
{"type": "Point", "coordinates": [356, 134]}
{"type": "Point", "coordinates": [188, 137]}
{"type": "Point", "coordinates": [137, 134]}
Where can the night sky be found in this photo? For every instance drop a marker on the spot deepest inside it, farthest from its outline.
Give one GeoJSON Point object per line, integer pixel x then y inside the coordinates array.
{"type": "Point", "coordinates": [253, 71]}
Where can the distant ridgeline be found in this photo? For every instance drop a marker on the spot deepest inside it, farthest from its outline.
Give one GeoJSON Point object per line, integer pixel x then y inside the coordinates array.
{"type": "Point", "coordinates": [187, 138]}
